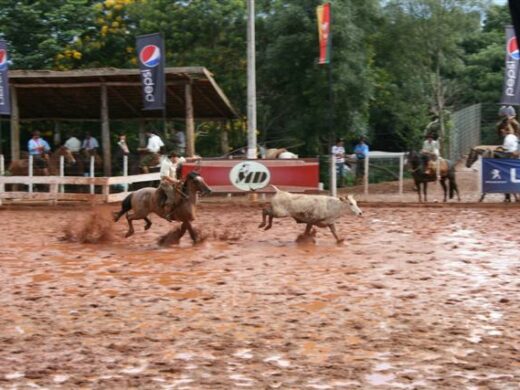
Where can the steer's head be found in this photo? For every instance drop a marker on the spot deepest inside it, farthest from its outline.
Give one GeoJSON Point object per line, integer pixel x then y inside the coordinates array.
{"type": "Point", "coordinates": [351, 203]}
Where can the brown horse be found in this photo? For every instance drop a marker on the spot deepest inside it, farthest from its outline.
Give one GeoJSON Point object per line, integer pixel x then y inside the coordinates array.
{"type": "Point", "coordinates": [147, 200]}
{"type": "Point", "coordinates": [422, 174]}
{"type": "Point", "coordinates": [21, 167]}
{"type": "Point", "coordinates": [86, 156]}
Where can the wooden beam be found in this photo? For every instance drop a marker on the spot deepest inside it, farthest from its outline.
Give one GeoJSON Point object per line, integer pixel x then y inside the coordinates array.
{"type": "Point", "coordinates": [91, 84]}
{"type": "Point", "coordinates": [105, 132]}
{"type": "Point", "coordinates": [15, 125]}
{"type": "Point", "coordinates": [190, 123]}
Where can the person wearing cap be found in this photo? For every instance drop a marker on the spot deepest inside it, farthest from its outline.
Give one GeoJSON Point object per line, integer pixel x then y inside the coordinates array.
{"type": "Point", "coordinates": [338, 151]}
{"type": "Point", "coordinates": [39, 149]}
{"type": "Point", "coordinates": [508, 121]}
{"type": "Point", "coordinates": [170, 182]}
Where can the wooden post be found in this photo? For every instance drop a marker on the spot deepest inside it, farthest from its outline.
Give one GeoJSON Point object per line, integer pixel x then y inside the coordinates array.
{"type": "Point", "coordinates": [224, 139]}
{"type": "Point", "coordinates": [142, 136]}
{"type": "Point", "coordinates": [105, 132]}
{"type": "Point", "coordinates": [57, 133]}
{"type": "Point", "coordinates": [190, 123]}
{"type": "Point", "coordinates": [15, 126]}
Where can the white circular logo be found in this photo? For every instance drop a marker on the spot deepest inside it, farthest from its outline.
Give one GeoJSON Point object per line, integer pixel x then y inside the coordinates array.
{"type": "Point", "coordinates": [249, 175]}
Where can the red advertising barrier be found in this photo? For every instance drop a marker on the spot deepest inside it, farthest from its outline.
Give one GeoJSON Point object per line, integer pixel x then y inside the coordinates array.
{"type": "Point", "coordinates": [295, 175]}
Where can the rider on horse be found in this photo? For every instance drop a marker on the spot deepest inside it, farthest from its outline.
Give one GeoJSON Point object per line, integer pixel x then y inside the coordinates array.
{"type": "Point", "coordinates": [430, 154]}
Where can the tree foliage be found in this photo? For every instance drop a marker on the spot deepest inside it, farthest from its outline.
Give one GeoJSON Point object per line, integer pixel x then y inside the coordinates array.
{"type": "Point", "coordinates": [394, 62]}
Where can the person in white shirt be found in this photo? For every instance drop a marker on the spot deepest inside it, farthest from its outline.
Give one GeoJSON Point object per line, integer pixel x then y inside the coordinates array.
{"type": "Point", "coordinates": [73, 144]}
{"type": "Point", "coordinates": [153, 147]}
{"type": "Point", "coordinates": [338, 151]}
{"type": "Point", "coordinates": [430, 152]}
{"type": "Point", "coordinates": [170, 181]}
{"type": "Point", "coordinates": [509, 148]}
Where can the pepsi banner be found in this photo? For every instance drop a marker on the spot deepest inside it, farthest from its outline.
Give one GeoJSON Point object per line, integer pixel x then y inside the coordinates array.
{"type": "Point", "coordinates": [500, 175]}
{"type": "Point", "coordinates": [514, 9]}
{"type": "Point", "coordinates": [511, 89]}
{"type": "Point", "coordinates": [5, 103]}
{"type": "Point", "coordinates": [150, 52]}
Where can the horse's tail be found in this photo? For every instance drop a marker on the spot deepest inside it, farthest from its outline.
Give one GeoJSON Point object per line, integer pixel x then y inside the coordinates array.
{"type": "Point", "coordinates": [126, 206]}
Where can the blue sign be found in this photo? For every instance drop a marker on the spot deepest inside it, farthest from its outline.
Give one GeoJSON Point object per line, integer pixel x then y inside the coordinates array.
{"type": "Point", "coordinates": [500, 175]}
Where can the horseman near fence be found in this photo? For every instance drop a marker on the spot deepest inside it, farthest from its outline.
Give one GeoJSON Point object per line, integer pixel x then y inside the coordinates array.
{"type": "Point", "coordinates": [170, 183]}
{"type": "Point", "coordinates": [430, 154]}
{"type": "Point", "coordinates": [39, 149]}
{"type": "Point", "coordinates": [151, 154]}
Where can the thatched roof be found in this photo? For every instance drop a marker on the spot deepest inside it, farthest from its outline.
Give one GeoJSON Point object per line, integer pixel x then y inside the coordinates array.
{"type": "Point", "coordinates": [76, 94]}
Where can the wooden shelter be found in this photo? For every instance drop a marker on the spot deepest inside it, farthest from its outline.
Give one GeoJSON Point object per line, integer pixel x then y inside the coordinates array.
{"type": "Point", "coordinates": [108, 93]}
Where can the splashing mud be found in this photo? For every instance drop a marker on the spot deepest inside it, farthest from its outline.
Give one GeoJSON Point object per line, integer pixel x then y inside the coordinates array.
{"type": "Point", "coordinates": [96, 227]}
{"type": "Point", "coordinates": [173, 237]}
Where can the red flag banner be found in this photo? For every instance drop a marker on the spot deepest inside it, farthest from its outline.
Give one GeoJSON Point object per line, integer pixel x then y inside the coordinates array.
{"type": "Point", "coordinates": [323, 12]}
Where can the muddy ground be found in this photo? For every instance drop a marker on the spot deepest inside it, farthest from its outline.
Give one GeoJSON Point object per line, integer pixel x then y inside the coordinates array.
{"type": "Point", "coordinates": [416, 298]}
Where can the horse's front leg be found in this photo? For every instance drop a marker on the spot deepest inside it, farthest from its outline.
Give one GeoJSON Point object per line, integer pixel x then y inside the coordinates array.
{"type": "Point", "coordinates": [482, 197]}
{"type": "Point", "coordinates": [425, 191]}
{"type": "Point", "coordinates": [332, 228]}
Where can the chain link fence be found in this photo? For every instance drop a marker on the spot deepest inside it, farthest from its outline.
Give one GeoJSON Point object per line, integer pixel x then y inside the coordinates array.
{"type": "Point", "coordinates": [466, 131]}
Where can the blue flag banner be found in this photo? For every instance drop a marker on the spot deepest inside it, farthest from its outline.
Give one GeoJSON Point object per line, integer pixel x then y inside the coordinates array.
{"type": "Point", "coordinates": [500, 175]}
{"type": "Point", "coordinates": [5, 103]}
{"type": "Point", "coordinates": [511, 88]}
{"type": "Point", "coordinates": [150, 52]}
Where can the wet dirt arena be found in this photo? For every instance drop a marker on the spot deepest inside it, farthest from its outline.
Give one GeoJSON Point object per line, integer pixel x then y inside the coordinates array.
{"type": "Point", "coordinates": [416, 298]}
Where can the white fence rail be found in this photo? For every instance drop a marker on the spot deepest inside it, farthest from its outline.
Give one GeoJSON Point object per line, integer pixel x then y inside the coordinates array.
{"type": "Point", "coordinates": [56, 185]}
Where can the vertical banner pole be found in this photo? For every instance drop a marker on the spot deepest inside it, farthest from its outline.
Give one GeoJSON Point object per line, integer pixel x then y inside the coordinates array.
{"type": "Point", "coordinates": [251, 81]}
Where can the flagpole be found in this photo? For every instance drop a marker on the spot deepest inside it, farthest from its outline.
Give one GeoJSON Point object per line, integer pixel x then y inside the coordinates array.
{"type": "Point", "coordinates": [251, 81]}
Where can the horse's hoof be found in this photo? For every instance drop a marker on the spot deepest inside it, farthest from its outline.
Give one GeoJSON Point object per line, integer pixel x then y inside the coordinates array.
{"type": "Point", "coordinates": [340, 241]}
{"type": "Point", "coordinates": [267, 228]}
{"type": "Point", "coordinates": [261, 225]}
{"type": "Point", "coordinates": [147, 227]}
{"type": "Point", "coordinates": [128, 234]}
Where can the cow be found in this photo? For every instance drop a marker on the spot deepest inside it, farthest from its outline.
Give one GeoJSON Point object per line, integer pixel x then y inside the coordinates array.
{"type": "Point", "coordinates": [312, 210]}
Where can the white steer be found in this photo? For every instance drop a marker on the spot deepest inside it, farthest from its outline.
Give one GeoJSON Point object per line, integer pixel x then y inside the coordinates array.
{"type": "Point", "coordinates": [318, 210]}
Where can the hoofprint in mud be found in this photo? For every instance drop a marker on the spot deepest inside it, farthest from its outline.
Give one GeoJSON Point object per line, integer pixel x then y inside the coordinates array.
{"type": "Point", "coordinates": [312, 210]}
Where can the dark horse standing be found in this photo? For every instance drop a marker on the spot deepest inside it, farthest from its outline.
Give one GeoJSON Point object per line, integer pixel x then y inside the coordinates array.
{"type": "Point", "coordinates": [422, 176]}
{"type": "Point", "coordinates": [142, 202]}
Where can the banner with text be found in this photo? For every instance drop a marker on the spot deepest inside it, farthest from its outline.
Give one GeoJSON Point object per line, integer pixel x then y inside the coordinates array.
{"type": "Point", "coordinates": [323, 13]}
{"type": "Point", "coordinates": [500, 175]}
{"type": "Point", "coordinates": [150, 51]}
{"type": "Point", "coordinates": [511, 89]}
{"type": "Point", "coordinates": [5, 103]}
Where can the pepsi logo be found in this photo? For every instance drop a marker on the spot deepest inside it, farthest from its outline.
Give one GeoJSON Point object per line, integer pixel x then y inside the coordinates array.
{"type": "Point", "coordinates": [3, 58]}
{"type": "Point", "coordinates": [150, 56]}
{"type": "Point", "coordinates": [512, 49]}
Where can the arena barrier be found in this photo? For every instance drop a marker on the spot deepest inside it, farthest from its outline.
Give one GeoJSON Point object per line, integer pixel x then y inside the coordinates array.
{"type": "Point", "coordinates": [499, 175]}
{"type": "Point", "coordinates": [238, 176]}
{"type": "Point", "coordinates": [223, 176]}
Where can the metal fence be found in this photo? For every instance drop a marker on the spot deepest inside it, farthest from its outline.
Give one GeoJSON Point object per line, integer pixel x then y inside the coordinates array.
{"type": "Point", "coordinates": [466, 131]}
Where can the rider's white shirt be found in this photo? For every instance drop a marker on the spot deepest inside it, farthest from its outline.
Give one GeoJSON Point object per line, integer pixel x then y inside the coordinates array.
{"type": "Point", "coordinates": [154, 143]}
{"type": "Point", "coordinates": [73, 144]}
{"type": "Point", "coordinates": [510, 143]}
{"type": "Point", "coordinates": [169, 168]}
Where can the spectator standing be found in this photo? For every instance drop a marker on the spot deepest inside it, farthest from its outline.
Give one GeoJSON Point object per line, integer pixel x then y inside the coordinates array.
{"type": "Point", "coordinates": [361, 151]}
{"type": "Point", "coordinates": [39, 149]}
{"type": "Point", "coordinates": [338, 151]}
{"type": "Point", "coordinates": [180, 139]}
